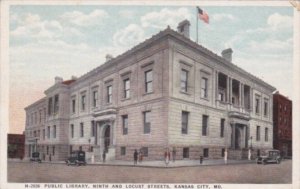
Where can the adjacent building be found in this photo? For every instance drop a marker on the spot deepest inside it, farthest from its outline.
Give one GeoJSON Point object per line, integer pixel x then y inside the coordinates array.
{"type": "Point", "coordinates": [15, 145]}
{"type": "Point", "coordinates": [166, 92]}
{"type": "Point", "coordinates": [282, 118]}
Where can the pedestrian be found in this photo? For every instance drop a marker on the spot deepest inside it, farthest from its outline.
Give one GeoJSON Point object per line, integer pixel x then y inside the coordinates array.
{"type": "Point", "coordinates": [225, 156]}
{"type": "Point", "coordinates": [249, 154]}
{"type": "Point", "coordinates": [174, 154]}
{"type": "Point", "coordinates": [167, 156]}
{"type": "Point", "coordinates": [135, 157]}
{"type": "Point", "coordinates": [104, 156]}
{"type": "Point", "coordinates": [140, 156]}
{"type": "Point", "coordinates": [50, 157]}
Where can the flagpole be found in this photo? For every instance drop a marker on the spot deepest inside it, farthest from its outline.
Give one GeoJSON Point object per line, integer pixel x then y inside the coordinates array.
{"type": "Point", "coordinates": [196, 25]}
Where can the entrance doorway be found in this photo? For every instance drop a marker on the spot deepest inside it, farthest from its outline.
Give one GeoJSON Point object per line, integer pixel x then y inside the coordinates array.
{"type": "Point", "coordinates": [237, 138]}
{"type": "Point", "coordinates": [106, 138]}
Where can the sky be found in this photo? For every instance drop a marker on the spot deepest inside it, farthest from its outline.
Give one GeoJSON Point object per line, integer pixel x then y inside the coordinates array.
{"type": "Point", "coordinates": [49, 41]}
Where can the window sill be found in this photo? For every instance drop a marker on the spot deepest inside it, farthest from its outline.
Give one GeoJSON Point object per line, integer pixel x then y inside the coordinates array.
{"type": "Point", "coordinates": [148, 93]}
{"type": "Point", "coordinates": [205, 98]}
{"type": "Point", "coordinates": [125, 99]}
{"type": "Point", "coordinates": [186, 93]}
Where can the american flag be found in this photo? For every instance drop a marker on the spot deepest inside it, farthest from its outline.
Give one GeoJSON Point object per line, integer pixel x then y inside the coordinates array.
{"type": "Point", "coordinates": [203, 15]}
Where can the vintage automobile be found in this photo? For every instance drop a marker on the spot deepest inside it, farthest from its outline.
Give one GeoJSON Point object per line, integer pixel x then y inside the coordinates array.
{"type": "Point", "coordinates": [272, 156]}
{"type": "Point", "coordinates": [76, 158]}
{"type": "Point", "coordinates": [36, 157]}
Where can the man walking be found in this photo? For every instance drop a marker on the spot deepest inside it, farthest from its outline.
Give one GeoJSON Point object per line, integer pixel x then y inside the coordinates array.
{"type": "Point", "coordinates": [104, 156]}
{"type": "Point", "coordinates": [225, 156]}
{"type": "Point", "coordinates": [174, 154]}
{"type": "Point", "coordinates": [135, 157]}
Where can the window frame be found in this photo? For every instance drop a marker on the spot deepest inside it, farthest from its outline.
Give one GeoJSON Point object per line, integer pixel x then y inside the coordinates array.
{"type": "Point", "coordinates": [205, 125]}
{"type": "Point", "coordinates": [184, 122]}
{"type": "Point", "coordinates": [204, 88]}
{"type": "Point", "coordinates": [146, 116]}
{"type": "Point", "coordinates": [222, 129]}
{"type": "Point", "coordinates": [126, 88]}
{"type": "Point", "coordinates": [124, 124]}
{"type": "Point", "coordinates": [148, 82]}
{"type": "Point", "coordinates": [109, 94]}
{"type": "Point", "coordinates": [257, 133]}
{"type": "Point", "coordinates": [184, 75]}
{"type": "Point", "coordinates": [81, 130]}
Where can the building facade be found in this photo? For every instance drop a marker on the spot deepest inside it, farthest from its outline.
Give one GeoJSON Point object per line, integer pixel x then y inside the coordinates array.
{"type": "Point", "coordinates": [15, 145]}
{"type": "Point", "coordinates": [166, 92]}
{"type": "Point", "coordinates": [282, 118]}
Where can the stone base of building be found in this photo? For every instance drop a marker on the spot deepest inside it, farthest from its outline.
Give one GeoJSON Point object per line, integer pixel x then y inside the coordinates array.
{"type": "Point", "coordinates": [55, 152]}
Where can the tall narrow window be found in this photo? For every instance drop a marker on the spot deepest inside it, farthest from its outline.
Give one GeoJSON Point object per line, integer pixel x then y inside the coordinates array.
{"type": "Point", "coordinates": [147, 123]}
{"type": "Point", "coordinates": [49, 106]}
{"type": "Point", "coordinates": [83, 102]}
{"type": "Point", "coordinates": [123, 150]}
{"type": "Point", "coordinates": [184, 122]}
{"type": "Point", "coordinates": [186, 153]}
{"type": "Point", "coordinates": [204, 85]}
{"type": "Point", "coordinates": [125, 124]}
{"type": "Point", "coordinates": [93, 125]}
{"type": "Point", "coordinates": [45, 113]}
{"type": "Point", "coordinates": [257, 133]}
{"type": "Point", "coordinates": [54, 131]}
{"type": "Point", "coordinates": [204, 125]}
{"type": "Point", "coordinates": [126, 88]}
{"type": "Point", "coordinates": [109, 94]}
{"type": "Point", "coordinates": [205, 152]}
{"type": "Point", "coordinates": [44, 134]}
{"type": "Point", "coordinates": [73, 106]}
{"type": "Point", "coordinates": [56, 104]}
{"type": "Point", "coordinates": [222, 128]}
{"type": "Point", "coordinates": [184, 80]}
{"type": "Point", "coordinates": [40, 116]}
{"type": "Point", "coordinates": [72, 131]}
{"type": "Point", "coordinates": [266, 134]}
{"type": "Point", "coordinates": [81, 130]}
{"type": "Point", "coordinates": [95, 98]}
{"type": "Point", "coordinates": [148, 81]}
{"type": "Point", "coordinates": [48, 133]}
{"type": "Point", "coordinates": [266, 104]}
{"type": "Point", "coordinates": [257, 104]}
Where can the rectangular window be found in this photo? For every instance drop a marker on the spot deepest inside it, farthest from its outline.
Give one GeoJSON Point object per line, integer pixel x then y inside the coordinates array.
{"type": "Point", "coordinates": [223, 152]}
{"type": "Point", "coordinates": [266, 134]}
{"type": "Point", "coordinates": [81, 130]}
{"type": "Point", "coordinates": [93, 125]}
{"type": "Point", "coordinates": [145, 151]}
{"type": "Point", "coordinates": [53, 150]}
{"type": "Point", "coordinates": [204, 125]}
{"type": "Point", "coordinates": [45, 112]}
{"type": "Point", "coordinates": [126, 88]}
{"type": "Point", "coordinates": [222, 128]}
{"type": "Point", "coordinates": [204, 85]}
{"type": "Point", "coordinates": [147, 123]}
{"type": "Point", "coordinates": [83, 102]}
{"type": "Point", "coordinates": [54, 131]}
{"type": "Point", "coordinates": [257, 133]}
{"type": "Point", "coordinates": [56, 104]}
{"type": "Point", "coordinates": [47, 150]}
{"type": "Point", "coordinates": [44, 134]}
{"type": "Point", "coordinates": [123, 151]}
{"type": "Point", "coordinates": [72, 131]}
{"type": "Point", "coordinates": [109, 94]}
{"type": "Point", "coordinates": [184, 122]}
{"type": "Point", "coordinates": [125, 124]}
{"type": "Point", "coordinates": [148, 81]}
{"type": "Point", "coordinates": [266, 104]}
{"type": "Point", "coordinates": [95, 98]}
{"type": "Point", "coordinates": [35, 117]}
{"type": "Point", "coordinates": [221, 96]}
{"type": "Point", "coordinates": [49, 106]}
{"type": "Point", "coordinates": [184, 80]}
{"type": "Point", "coordinates": [40, 116]}
{"type": "Point", "coordinates": [73, 106]}
{"type": "Point", "coordinates": [257, 104]}
{"type": "Point", "coordinates": [205, 152]}
{"type": "Point", "coordinates": [186, 153]}
{"type": "Point", "coordinates": [48, 132]}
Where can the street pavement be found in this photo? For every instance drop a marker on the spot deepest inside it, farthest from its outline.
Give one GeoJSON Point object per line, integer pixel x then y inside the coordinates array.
{"type": "Point", "coordinates": [152, 172]}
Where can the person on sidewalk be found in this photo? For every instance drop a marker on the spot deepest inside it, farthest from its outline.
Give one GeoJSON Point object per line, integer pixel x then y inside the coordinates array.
{"type": "Point", "coordinates": [140, 156]}
{"type": "Point", "coordinates": [249, 154]}
{"type": "Point", "coordinates": [225, 156]}
{"type": "Point", "coordinates": [167, 156]}
{"type": "Point", "coordinates": [103, 156]}
{"type": "Point", "coordinates": [135, 157]}
{"type": "Point", "coordinates": [174, 154]}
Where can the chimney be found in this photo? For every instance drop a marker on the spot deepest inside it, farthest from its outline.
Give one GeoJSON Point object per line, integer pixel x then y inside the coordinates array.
{"type": "Point", "coordinates": [184, 28]}
{"type": "Point", "coordinates": [58, 79]}
{"type": "Point", "coordinates": [227, 54]}
{"type": "Point", "coordinates": [108, 57]}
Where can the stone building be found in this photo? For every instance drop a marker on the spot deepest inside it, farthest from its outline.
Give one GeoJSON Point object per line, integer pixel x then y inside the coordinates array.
{"type": "Point", "coordinates": [282, 117]}
{"type": "Point", "coordinates": [166, 92]}
{"type": "Point", "coordinates": [15, 145]}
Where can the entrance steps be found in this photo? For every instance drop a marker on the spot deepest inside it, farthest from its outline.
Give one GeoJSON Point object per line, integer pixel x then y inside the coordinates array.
{"type": "Point", "coordinates": [238, 154]}
{"type": "Point", "coordinates": [98, 151]}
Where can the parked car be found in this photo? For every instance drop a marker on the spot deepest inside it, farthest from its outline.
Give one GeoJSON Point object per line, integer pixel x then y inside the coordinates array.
{"type": "Point", "coordinates": [272, 156]}
{"type": "Point", "coordinates": [36, 157]}
{"type": "Point", "coordinates": [76, 158]}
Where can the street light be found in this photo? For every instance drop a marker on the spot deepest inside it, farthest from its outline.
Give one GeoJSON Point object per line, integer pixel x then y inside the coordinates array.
{"type": "Point", "coordinates": [251, 142]}
{"type": "Point", "coordinates": [89, 144]}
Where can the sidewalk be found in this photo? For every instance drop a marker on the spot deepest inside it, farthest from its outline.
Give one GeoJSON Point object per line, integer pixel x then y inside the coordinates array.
{"type": "Point", "coordinates": [161, 164]}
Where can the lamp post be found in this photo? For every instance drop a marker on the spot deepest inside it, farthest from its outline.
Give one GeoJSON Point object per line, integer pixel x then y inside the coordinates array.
{"type": "Point", "coordinates": [89, 144]}
{"type": "Point", "coordinates": [251, 142]}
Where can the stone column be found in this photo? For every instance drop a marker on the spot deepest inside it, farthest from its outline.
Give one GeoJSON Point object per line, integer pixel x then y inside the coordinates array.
{"type": "Point", "coordinates": [233, 126]}
{"type": "Point", "coordinates": [230, 90]}
{"type": "Point", "coordinates": [240, 94]}
{"type": "Point", "coordinates": [251, 98]}
{"type": "Point", "coordinates": [246, 135]}
{"type": "Point", "coordinates": [227, 90]}
{"type": "Point", "coordinates": [217, 85]}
